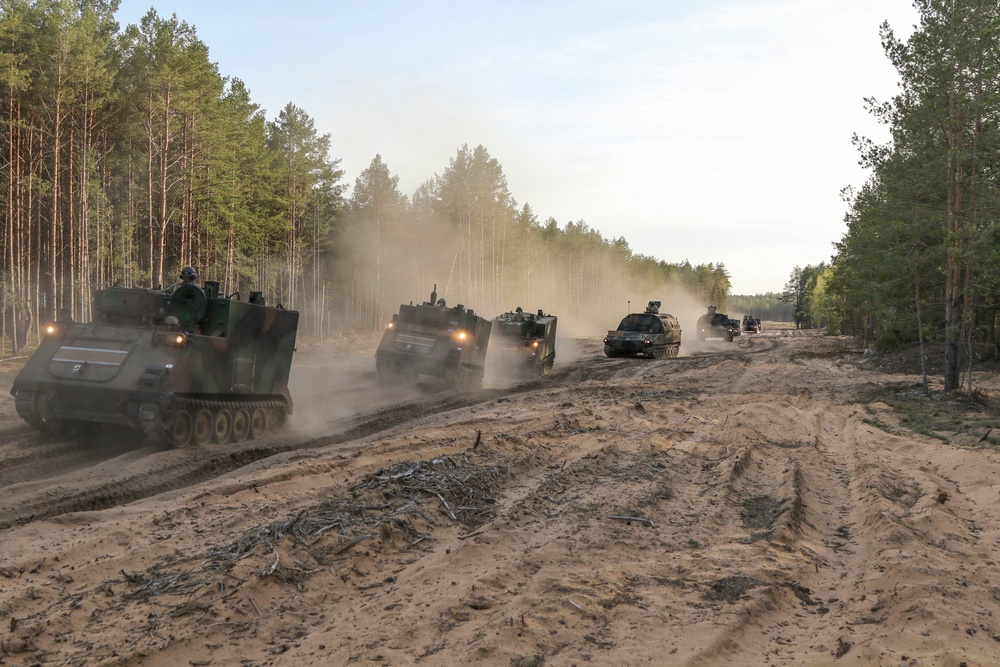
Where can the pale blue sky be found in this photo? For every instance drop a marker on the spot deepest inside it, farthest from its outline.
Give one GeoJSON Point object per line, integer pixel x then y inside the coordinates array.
{"type": "Point", "coordinates": [717, 131]}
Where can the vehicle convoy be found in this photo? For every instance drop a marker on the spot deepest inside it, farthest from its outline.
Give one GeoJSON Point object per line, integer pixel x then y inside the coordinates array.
{"type": "Point", "coordinates": [432, 339]}
{"type": "Point", "coordinates": [187, 365]}
{"type": "Point", "coordinates": [715, 325]}
{"type": "Point", "coordinates": [751, 324]}
{"type": "Point", "coordinates": [650, 334]}
{"type": "Point", "coordinates": [524, 344]}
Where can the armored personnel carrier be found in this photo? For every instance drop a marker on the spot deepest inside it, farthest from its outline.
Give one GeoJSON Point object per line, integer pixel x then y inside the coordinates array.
{"type": "Point", "coordinates": [524, 344]}
{"type": "Point", "coordinates": [715, 325]}
{"type": "Point", "coordinates": [650, 334]}
{"type": "Point", "coordinates": [190, 366]}
{"type": "Point", "coordinates": [433, 339]}
{"type": "Point", "coordinates": [751, 324]}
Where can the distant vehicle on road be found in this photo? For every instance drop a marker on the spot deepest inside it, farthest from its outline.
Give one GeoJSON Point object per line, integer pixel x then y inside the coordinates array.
{"type": "Point", "coordinates": [714, 324]}
{"type": "Point", "coordinates": [650, 334]}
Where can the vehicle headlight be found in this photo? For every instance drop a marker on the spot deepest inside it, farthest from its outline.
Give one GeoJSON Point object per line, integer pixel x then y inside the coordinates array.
{"type": "Point", "coordinates": [535, 345]}
{"type": "Point", "coordinates": [173, 339]}
{"type": "Point", "coordinates": [461, 335]}
{"type": "Point", "coordinates": [51, 330]}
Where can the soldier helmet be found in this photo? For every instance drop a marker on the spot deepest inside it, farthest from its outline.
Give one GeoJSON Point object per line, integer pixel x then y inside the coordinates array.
{"type": "Point", "coordinates": [188, 274]}
{"type": "Point", "coordinates": [518, 310]}
{"type": "Point", "coordinates": [442, 303]}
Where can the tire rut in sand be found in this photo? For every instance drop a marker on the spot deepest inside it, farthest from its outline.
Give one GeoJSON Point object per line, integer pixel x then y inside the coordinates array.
{"type": "Point", "coordinates": [794, 498]}
{"type": "Point", "coordinates": [849, 501]}
{"type": "Point", "coordinates": [81, 475]}
{"type": "Point", "coordinates": [34, 457]}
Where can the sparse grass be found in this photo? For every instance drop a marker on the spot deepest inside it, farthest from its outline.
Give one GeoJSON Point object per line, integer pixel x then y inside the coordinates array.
{"type": "Point", "coordinates": [880, 425]}
{"type": "Point", "coordinates": [938, 416]}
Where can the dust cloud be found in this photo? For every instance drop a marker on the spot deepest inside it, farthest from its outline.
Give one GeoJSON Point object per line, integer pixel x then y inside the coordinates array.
{"type": "Point", "coordinates": [590, 294]}
{"type": "Point", "coordinates": [396, 259]}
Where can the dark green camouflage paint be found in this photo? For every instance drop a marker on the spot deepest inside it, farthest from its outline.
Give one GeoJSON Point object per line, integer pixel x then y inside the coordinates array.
{"type": "Point", "coordinates": [428, 340]}
{"type": "Point", "coordinates": [524, 343]}
{"type": "Point", "coordinates": [104, 370]}
{"type": "Point", "coordinates": [717, 325]}
{"type": "Point", "coordinates": [650, 334]}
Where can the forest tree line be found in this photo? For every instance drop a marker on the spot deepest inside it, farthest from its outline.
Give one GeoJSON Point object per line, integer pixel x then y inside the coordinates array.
{"type": "Point", "coordinates": [127, 155]}
{"type": "Point", "coordinates": [920, 260]}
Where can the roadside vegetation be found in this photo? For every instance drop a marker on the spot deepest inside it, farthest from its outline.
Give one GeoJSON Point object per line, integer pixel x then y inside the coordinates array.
{"type": "Point", "coordinates": [917, 265]}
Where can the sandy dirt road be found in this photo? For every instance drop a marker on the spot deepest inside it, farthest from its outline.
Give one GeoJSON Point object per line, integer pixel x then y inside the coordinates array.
{"type": "Point", "coordinates": [766, 502]}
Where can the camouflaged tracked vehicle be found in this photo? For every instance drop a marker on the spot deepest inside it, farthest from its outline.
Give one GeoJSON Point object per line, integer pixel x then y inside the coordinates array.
{"type": "Point", "coordinates": [191, 366]}
{"type": "Point", "coordinates": [716, 325]}
{"type": "Point", "coordinates": [650, 334]}
{"type": "Point", "coordinates": [432, 339]}
{"type": "Point", "coordinates": [524, 345]}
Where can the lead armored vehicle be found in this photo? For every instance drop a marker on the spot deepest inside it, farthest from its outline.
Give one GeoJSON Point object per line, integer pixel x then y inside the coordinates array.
{"type": "Point", "coordinates": [190, 366]}
{"type": "Point", "coordinates": [524, 345]}
{"type": "Point", "coordinates": [650, 334]}
{"type": "Point", "coordinates": [433, 339]}
{"type": "Point", "coordinates": [715, 325]}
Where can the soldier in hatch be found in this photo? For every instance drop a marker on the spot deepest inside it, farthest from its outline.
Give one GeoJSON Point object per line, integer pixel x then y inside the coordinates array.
{"type": "Point", "coordinates": [187, 277]}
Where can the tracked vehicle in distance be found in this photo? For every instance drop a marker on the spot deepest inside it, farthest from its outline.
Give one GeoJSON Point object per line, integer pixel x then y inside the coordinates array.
{"type": "Point", "coordinates": [714, 324]}
{"type": "Point", "coordinates": [191, 366]}
{"type": "Point", "coordinates": [649, 334]}
{"type": "Point", "coordinates": [432, 339]}
{"type": "Point", "coordinates": [524, 344]}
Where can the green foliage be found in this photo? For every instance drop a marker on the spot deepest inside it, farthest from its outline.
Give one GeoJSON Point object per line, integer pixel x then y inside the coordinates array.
{"type": "Point", "coordinates": [768, 306]}
{"type": "Point", "coordinates": [127, 155]}
{"type": "Point", "coordinates": [804, 292]}
{"type": "Point", "coordinates": [918, 261]}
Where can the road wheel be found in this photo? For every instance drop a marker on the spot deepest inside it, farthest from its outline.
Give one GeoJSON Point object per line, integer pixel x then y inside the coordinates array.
{"type": "Point", "coordinates": [241, 425]}
{"type": "Point", "coordinates": [180, 431]}
{"type": "Point", "coordinates": [202, 428]}
{"type": "Point", "coordinates": [222, 427]}
{"type": "Point", "coordinates": [258, 423]}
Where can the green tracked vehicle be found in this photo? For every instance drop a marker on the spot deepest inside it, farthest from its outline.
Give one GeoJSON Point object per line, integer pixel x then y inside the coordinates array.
{"type": "Point", "coordinates": [714, 324]}
{"type": "Point", "coordinates": [188, 365]}
{"type": "Point", "coordinates": [432, 339]}
{"type": "Point", "coordinates": [649, 334]}
{"type": "Point", "coordinates": [524, 344]}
